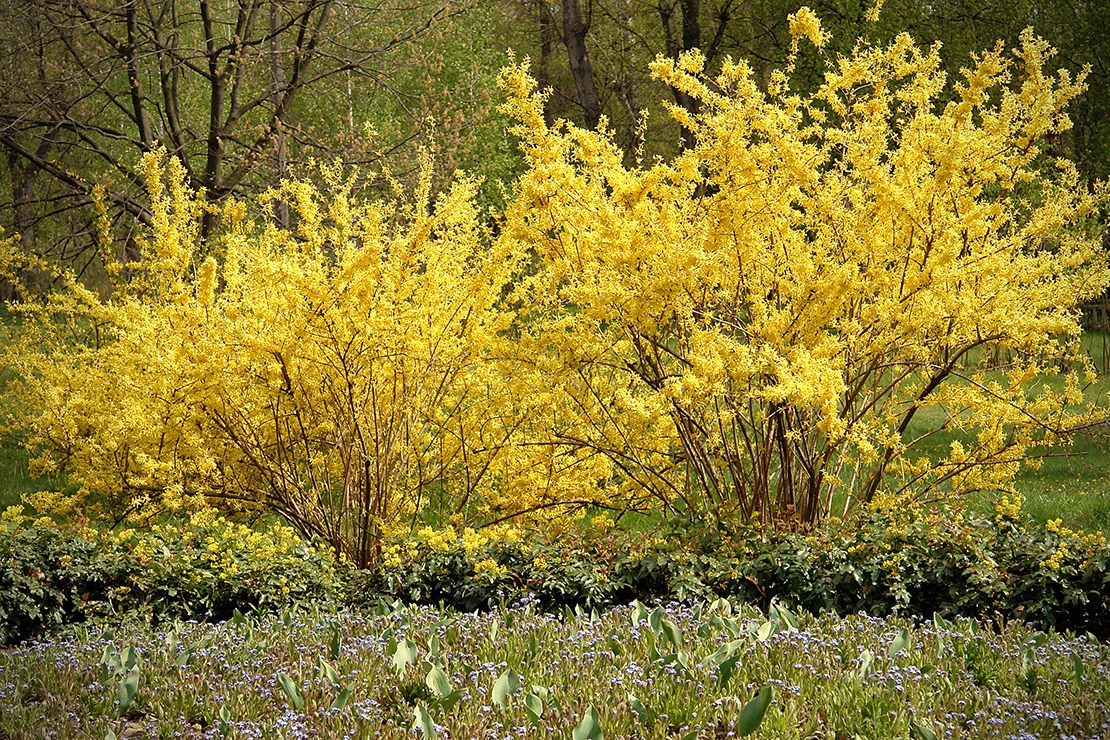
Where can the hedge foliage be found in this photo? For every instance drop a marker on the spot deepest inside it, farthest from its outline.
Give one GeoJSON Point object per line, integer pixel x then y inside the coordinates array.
{"type": "Point", "coordinates": [915, 563]}
{"type": "Point", "coordinates": [203, 567]}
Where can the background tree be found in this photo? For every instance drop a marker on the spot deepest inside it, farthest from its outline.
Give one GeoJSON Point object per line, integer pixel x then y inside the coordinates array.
{"type": "Point", "coordinates": [622, 37]}
{"type": "Point", "coordinates": [238, 93]}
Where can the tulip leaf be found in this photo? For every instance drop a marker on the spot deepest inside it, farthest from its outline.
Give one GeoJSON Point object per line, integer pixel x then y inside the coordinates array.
{"type": "Point", "coordinates": [423, 722]}
{"type": "Point", "coordinates": [589, 728]}
{"type": "Point", "coordinates": [333, 652]}
{"type": "Point", "coordinates": [919, 731]}
{"type": "Point", "coordinates": [507, 683]}
{"type": "Point", "coordinates": [340, 701]}
{"type": "Point", "coordinates": [655, 619]}
{"type": "Point", "coordinates": [128, 687]}
{"type": "Point", "coordinates": [752, 714]}
{"type": "Point", "coordinates": [534, 705]}
{"type": "Point", "coordinates": [671, 632]}
{"type": "Point", "coordinates": [438, 682]}
{"type": "Point", "coordinates": [405, 653]}
{"type": "Point", "coordinates": [865, 660]}
{"type": "Point", "coordinates": [901, 642]}
{"type": "Point", "coordinates": [779, 613]}
{"type": "Point", "coordinates": [725, 671]}
{"type": "Point", "coordinates": [291, 691]}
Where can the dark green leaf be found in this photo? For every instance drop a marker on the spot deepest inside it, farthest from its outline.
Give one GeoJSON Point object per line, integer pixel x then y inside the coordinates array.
{"type": "Point", "coordinates": [724, 671]}
{"type": "Point", "coordinates": [751, 716]}
{"type": "Point", "coordinates": [340, 701]}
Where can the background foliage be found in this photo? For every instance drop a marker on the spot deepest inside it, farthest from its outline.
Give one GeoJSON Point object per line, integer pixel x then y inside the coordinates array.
{"type": "Point", "coordinates": [309, 77]}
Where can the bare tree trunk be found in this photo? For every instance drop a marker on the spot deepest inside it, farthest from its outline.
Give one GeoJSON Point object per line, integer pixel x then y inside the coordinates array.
{"type": "Point", "coordinates": [574, 34]}
{"type": "Point", "coordinates": [23, 176]}
{"type": "Point", "coordinates": [281, 212]}
{"type": "Point", "coordinates": [548, 37]}
{"type": "Point", "coordinates": [690, 39]}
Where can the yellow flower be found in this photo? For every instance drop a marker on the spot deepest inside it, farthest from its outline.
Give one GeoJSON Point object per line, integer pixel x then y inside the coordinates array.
{"type": "Point", "coordinates": [490, 568]}
{"type": "Point", "coordinates": [473, 541]}
{"type": "Point", "coordinates": [602, 522]}
{"type": "Point", "coordinates": [806, 24]}
{"type": "Point", "coordinates": [12, 514]}
{"type": "Point", "coordinates": [437, 541]}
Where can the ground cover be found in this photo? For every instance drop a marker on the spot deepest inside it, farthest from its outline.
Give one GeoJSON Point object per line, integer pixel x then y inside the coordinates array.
{"type": "Point", "coordinates": [672, 672]}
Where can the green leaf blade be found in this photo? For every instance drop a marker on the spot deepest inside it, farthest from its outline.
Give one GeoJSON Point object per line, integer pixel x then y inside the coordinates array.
{"type": "Point", "coordinates": [589, 728]}
{"type": "Point", "coordinates": [752, 714]}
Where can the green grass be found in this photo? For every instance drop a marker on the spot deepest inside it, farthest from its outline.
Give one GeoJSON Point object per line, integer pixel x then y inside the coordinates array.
{"type": "Point", "coordinates": [16, 478]}
{"type": "Point", "coordinates": [1072, 484]}
{"type": "Point", "coordinates": [680, 672]}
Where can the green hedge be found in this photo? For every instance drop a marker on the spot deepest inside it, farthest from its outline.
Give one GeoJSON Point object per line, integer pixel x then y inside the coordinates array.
{"type": "Point", "coordinates": [918, 564]}
{"type": "Point", "coordinates": [203, 567]}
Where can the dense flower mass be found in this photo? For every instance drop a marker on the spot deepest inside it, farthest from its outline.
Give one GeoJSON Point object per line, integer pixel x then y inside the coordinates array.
{"type": "Point", "coordinates": [516, 672]}
{"type": "Point", "coordinates": [766, 325]}
{"type": "Point", "coordinates": [773, 319]}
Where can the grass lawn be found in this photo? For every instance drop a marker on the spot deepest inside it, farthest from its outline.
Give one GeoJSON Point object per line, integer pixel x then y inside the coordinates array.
{"type": "Point", "coordinates": [15, 478]}
{"type": "Point", "coordinates": [680, 672]}
{"type": "Point", "coordinates": [1071, 485]}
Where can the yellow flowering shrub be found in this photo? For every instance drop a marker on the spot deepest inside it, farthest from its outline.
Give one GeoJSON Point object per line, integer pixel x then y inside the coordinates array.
{"type": "Point", "coordinates": [753, 328]}
{"type": "Point", "coordinates": [781, 313]}
{"type": "Point", "coordinates": [334, 371]}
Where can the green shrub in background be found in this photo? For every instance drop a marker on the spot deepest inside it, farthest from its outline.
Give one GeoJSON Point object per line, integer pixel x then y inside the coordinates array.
{"type": "Point", "coordinates": [204, 567]}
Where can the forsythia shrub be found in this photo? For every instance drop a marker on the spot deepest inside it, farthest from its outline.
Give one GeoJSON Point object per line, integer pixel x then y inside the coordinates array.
{"type": "Point", "coordinates": [773, 318]}
{"type": "Point", "coordinates": [767, 322]}
{"type": "Point", "coordinates": [334, 371]}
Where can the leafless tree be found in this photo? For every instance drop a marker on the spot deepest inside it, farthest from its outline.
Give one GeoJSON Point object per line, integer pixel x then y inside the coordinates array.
{"type": "Point", "coordinates": [236, 89]}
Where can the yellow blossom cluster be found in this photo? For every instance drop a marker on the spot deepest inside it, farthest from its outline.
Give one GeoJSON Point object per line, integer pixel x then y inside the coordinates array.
{"type": "Point", "coordinates": [1073, 544]}
{"type": "Point", "coordinates": [761, 325]}
{"type": "Point", "coordinates": [766, 320]}
{"type": "Point", "coordinates": [1008, 507]}
{"type": "Point", "coordinates": [209, 542]}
